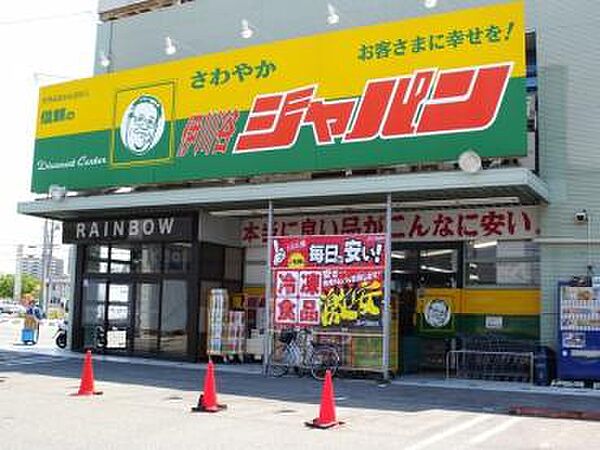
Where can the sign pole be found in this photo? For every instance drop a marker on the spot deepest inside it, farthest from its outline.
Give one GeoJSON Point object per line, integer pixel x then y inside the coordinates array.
{"type": "Point", "coordinates": [17, 283]}
{"type": "Point", "coordinates": [267, 339]}
{"type": "Point", "coordinates": [387, 288]}
{"type": "Point", "coordinates": [48, 291]}
{"type": "Point", "coordinates": [44, 274]}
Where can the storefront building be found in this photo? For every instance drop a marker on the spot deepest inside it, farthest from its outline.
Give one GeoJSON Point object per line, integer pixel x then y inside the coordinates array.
{"type": "Point", "coordinates": [461, 132]}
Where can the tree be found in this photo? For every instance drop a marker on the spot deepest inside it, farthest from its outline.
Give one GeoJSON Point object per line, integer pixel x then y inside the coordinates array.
{"type": "Point", "coordinates": [6, 286]}
{"type": "Point", "coordinates": [29, 285]}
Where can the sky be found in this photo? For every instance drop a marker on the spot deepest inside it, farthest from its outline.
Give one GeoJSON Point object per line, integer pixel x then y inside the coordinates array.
{"type": "Point", "coordinates": [42, 42]}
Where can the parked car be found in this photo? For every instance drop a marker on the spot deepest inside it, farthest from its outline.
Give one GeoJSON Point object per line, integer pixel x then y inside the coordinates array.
{"type": "Point", "coordinates": [11, 309]}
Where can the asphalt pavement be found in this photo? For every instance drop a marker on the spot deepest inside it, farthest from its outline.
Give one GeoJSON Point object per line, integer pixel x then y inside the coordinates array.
{"type": "Point", "coordinates": [147, 405]}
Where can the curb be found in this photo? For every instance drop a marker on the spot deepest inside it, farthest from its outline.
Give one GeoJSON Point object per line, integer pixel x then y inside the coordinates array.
{"type": "Point", "coordinates": [553, 413]}
{"type": "Point", "coordinates": [515, 388]}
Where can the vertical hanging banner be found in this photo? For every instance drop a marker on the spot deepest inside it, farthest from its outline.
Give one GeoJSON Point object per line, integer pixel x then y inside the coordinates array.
{"type": "Point", "coordinates": [328, 281]}
{"type": "Point", "coordinates": [423, 89]}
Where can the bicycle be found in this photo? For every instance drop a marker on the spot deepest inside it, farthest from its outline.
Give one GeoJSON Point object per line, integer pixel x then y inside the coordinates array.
{"type": "Point", "coordinates": [317, 357]}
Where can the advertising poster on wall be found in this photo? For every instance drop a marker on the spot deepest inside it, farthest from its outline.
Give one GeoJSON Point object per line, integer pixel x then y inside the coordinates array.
{"type": "Point", "coordinates": [328, 281]}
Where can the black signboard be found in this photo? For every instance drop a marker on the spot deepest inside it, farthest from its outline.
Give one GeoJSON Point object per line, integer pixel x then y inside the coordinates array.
{"type": "Point", "coordinates": [169, 228]}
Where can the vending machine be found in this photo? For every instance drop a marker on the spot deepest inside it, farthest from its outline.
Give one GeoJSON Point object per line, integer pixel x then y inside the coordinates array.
{"type": "Point", "coordinates": [578, 332]}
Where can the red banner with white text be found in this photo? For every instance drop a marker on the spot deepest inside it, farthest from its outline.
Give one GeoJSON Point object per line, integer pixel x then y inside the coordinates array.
{"type": "Point", "coordinates": [328, 281]}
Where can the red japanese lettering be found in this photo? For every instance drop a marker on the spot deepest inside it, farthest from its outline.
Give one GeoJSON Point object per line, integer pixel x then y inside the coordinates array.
{"type": "Point", "coordinates": [441, 225]}
{"type": "Point", "coordinates": [397, 218]}
{"type": "Point", "coordinates": [417, 228]}
{"type": "Point", "coordinates": [329, 119]}
{"type": "Point", "coordinates": [287, 283]}
{"type": "Point", "coordinates": [310, 283]}
{"type": "Point", "coordinates": [189, 135]}
{"type": "Point", "coordinates": [282, 229]}
{"type": "Point", "coordinates": [208, 134]}
{"type": "Point", "coordinates": [410, 93]}
{"type": "Point", "coordinates": [250, 232]}
{"type": "Point", "coordinates": [371, 110]}
{"type": "Point", "coordinates": [335, 227]}
{"type": "Point", "coordinates": [292, 224]}
{"type": "Point", "coordinates": [511, 223]}
{"type": "Point", "coordinates": [276, 230]}
{"type": "Point", "coordinates": [309, 312]}
{"type": "Point", "coordinates": [462, 228]}
{"type": "Point", "coordinates": [225, 132]}
{"type": "Point", "coordinates": [526, 221]}
{"type": "Point", "coordinates": [423, 103]}
{"type": "Point", "coordinates": [286, 311]}
{"type": "Point", "coordinates": [492, 223]}
{"type": "Point", "coordinates": [322, 227]}
{"type": "Point", "coordinates": [274, 120]}
{"type": "Point", "coordinates": [373, 224]}
{"type": "Point", "coordinates": [465, 99]}
{"type": "Point", "coordinates": [350, 225]}
{"type": "Point", "coordinates": [308, 226]}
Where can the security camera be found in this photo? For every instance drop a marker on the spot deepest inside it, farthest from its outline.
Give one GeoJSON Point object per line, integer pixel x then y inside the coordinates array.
{"type": "Point", "coordinates": [581, 216]}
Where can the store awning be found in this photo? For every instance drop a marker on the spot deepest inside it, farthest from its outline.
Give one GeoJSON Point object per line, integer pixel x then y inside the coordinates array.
{"type": "Point", "coordinates": [414, 190]}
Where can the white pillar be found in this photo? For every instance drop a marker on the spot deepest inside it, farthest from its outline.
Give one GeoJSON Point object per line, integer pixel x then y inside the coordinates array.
{"type": "Point", "coordinates": [72, 287]}
{"type": "Point", "coordinates": [387, 289]}
{"type": "Point", "coordinates": [268, 325]}
{"type": "Point", "coordinates": [44, 275]}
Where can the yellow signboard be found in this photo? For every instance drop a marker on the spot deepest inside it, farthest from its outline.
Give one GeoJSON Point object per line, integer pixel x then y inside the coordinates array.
{"type": "Point", "coordinates": [480, 44]}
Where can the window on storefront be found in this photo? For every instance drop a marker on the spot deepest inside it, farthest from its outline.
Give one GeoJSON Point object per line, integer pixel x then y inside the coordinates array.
{"type": "Point", "coordinates": [136, 295]}
{"type": "Point", "coordinates": [97, 259]}
{"type": "Point", "coordinates": [212, 261]}
{"type": "Point", "coordinates": [150, 258]}
{"type": "Point", "coordinates": [147, 315]}
{"type": "Point", "coordinates": [178, 257]}
{"type": "Point", "coordinates": [502, 263]}
{"type": "Point", "coordinates": [220, 267]}
{"type": "Point", "coordinates": [140, 290]}
{"type": "Point", "coordinates": [121, 259]}
{"type": "Point", "coordinates": [439, 268]}
{"type": "Point", "coordinates": [173, 335]}
{"type": "Point", "coordinates": [94, 301]}
{"type": "Point", "coordinates": [233, 264]}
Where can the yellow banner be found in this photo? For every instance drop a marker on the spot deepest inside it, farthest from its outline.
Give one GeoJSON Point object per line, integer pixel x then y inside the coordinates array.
{"type": "Point", "coordinates": [339, 63]}
{"type": "Point", "coordinates": [505, 302]}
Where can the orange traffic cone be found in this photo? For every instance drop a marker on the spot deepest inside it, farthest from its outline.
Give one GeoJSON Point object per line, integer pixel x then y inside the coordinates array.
{"type": "Point", "coordinates": [208, 399]}
{"type": "Point", "coordinates": [326, 417]}
{"type": "Point", "coordinates": [87, 377]}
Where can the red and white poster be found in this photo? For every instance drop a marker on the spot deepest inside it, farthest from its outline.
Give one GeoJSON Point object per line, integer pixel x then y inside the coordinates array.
{"type": "Point", "coordinates": [328, 281]}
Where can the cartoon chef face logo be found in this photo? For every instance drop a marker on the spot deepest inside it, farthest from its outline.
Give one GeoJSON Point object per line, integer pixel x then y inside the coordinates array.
{"type": "Point", "coordinates": [142, 124]}
{"type": "Point", "coordinates": [437, 313]}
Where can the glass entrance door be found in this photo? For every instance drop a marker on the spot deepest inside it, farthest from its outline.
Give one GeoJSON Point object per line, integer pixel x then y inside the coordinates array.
{"type": "Point", "coordinates": [146, 318]}
{"type": "Point", "coordinates": [417, 268]}
{"type": "Point", "coordinates": [405, 282]}
{"type": "Point", "coordinates": [118, 329]}
{"type": "Point", "coordinates": [135, 298]}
